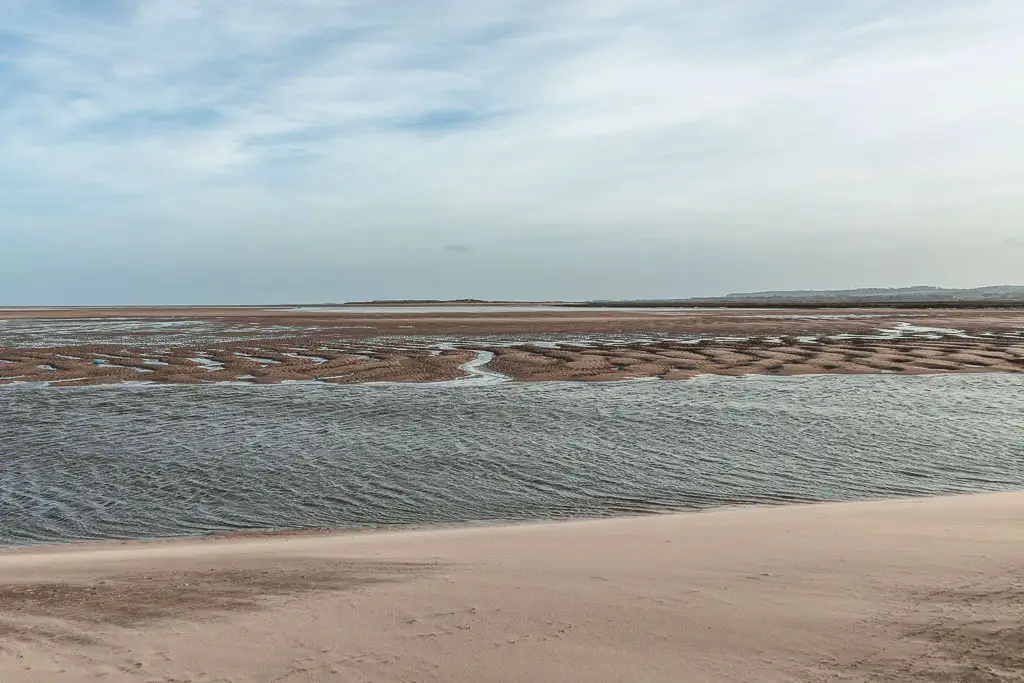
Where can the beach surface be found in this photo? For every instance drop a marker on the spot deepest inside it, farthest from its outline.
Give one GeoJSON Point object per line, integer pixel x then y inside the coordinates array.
{"type": "Point", "coordinates": [356, 345]}
{"type": "Point", "coordinates": [927, 589]}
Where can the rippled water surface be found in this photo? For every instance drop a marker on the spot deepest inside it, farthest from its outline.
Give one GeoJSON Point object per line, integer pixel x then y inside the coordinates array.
{"type": "Point", "coordinates": [153, 332]}
{"type": "Point", "coordinates": [140, 461]}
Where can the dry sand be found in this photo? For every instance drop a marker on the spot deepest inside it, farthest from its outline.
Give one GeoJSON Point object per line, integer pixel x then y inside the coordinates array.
{"type": "Point", "coordinates": [922, 590]}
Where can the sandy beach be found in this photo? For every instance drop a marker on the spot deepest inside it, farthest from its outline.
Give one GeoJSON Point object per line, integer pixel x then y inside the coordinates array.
{"type": "Point", "coordinates": [926, 589]}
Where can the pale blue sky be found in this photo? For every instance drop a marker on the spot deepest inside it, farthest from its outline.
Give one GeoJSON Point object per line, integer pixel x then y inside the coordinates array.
{"type": "Point", "coordinates": [200, 151]}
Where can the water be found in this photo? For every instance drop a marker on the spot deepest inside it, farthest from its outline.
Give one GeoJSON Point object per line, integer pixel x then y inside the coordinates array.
{"type": "Point", "coordinates": [151, 460]}
{"type": "Point", "coordinates": [49, 333]}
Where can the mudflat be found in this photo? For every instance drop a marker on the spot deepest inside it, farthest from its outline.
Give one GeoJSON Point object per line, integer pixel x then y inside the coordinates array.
{"type": "Point", "coordinates": [356, 345]}
{"type": "Point", "coordinates": [906, 590]}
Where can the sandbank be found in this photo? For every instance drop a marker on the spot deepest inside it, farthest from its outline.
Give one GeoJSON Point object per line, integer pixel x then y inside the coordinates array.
{"type": "Point", "coordinates": [76, 347]}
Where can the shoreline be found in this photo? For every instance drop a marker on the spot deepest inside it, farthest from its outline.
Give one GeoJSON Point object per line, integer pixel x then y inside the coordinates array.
{"type": "Point", "coordinates": [256, 534]}
{"type": "Point", "coordinates": [904, 589]}
{"type": "Point", "coordinates": [269, 533]}
{"type": "Point", "coordinates": [470, 381]}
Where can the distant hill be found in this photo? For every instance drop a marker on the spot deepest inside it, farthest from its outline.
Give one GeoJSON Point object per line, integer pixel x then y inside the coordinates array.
{"type": "Point", "coordinates": [998, 296]}
{"type": "Point", "coordinates": [922, 293]}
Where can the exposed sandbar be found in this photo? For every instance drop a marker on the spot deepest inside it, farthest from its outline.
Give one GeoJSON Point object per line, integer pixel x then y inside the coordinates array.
{"type": "Point", "coordinates": [271, 345]}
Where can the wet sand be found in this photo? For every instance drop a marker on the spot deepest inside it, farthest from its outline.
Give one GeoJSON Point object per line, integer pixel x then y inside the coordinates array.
{"type": "Point", "coordinates": [921, 590]}
{"type": "Point", "coordinates": [355, 346]}
{"type": "Point", "coordinates": [357, 321]}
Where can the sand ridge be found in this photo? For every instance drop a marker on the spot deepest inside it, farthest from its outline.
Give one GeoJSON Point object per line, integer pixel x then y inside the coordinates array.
{"type": "Point", "coordinates": [353, 346]}
{"type": "Point", "coordinates": [352, 362]}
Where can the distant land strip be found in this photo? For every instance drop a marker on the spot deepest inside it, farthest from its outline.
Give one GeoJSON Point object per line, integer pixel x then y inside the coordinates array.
{"type": "Point", "coordinates": [817, 303]}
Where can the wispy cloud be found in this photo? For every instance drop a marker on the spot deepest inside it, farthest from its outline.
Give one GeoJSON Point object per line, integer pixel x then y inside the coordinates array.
{"type": "Point", "coordinates": [365, 127]}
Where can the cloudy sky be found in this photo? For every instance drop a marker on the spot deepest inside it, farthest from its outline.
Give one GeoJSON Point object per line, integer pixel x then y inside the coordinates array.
{"type": "Point", "coordinates": [202, 151]}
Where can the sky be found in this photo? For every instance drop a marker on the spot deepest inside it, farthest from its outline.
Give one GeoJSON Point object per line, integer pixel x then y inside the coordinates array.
{"type": "Point", "coordinates": [282, 151]}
